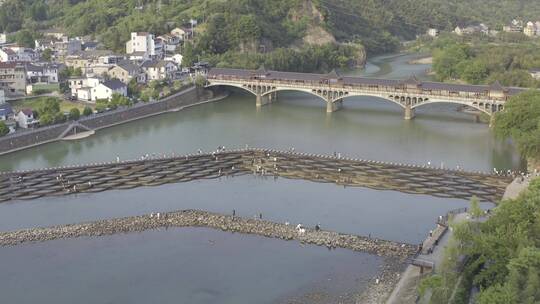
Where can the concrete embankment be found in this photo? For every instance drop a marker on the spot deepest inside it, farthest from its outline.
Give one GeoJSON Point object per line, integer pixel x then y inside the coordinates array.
{"type": "Point", "coordinates": [194, 218]}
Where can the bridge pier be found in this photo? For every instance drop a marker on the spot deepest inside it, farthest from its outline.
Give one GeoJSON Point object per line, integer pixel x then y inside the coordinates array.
{"type": "Point", "coordinates": [409, 112]}
{"type": "Point", "coordinates": [263, 100]}
{"type": "Point", "coordinates": [332, 106]}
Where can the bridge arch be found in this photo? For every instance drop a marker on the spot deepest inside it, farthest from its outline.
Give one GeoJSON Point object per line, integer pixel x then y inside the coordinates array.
{"type": "Point", "coordinates": [391, 98]}
{"type": "Point", "coordinates": [230, 85]}
{"type": "Point", "coordinates": [275, 90]}
{"type": "Point", "coordinates": [487, 108]}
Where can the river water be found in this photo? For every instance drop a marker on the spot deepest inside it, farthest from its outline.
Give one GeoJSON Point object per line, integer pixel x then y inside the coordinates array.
{"type": "Point", "coordinates": [179, 265]}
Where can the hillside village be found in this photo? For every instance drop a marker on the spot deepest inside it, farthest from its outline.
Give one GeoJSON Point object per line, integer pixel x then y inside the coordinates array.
{"type": "Point", "coordinates": [80, 71]}
{"type": "Point", "coordinates": [83, 76]}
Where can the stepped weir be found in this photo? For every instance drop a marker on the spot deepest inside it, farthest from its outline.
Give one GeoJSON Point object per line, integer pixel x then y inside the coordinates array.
{"type": "Point", "coordinates": [413, 179]}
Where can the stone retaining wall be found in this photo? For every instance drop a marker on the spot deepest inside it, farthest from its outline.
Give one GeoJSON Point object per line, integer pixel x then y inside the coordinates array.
{"type": "Point", "coordinates": [32, 138]}
{"type": "Point", "coordinates": [195, 218]}
{"type": "Point", "coordinates": [48, 134]}
{"type": "Point", "coordinates": [107, 119]}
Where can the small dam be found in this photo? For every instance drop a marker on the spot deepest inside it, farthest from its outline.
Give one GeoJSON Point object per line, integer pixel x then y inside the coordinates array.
{"type": "Point", "coordinates": [413, 179]}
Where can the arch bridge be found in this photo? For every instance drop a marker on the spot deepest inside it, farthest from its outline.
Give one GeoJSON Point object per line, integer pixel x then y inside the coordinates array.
{"type": "Point", "coordinates": [333, 89]}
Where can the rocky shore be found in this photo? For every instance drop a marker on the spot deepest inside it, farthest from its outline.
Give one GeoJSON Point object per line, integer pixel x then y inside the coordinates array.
{"type": "Point", "coordinates": [195, 218]}
{"type": "Point", "coordinates": [381, 286]}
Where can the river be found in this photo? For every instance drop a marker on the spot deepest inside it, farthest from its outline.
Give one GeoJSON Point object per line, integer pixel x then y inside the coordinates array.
{"type": "Point", "coordinates": [179, 265]}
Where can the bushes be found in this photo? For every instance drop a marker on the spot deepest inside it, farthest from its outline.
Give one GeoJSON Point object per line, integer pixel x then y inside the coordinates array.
{"type": "Point", "coordinates": [4, 130]}
{"type": "Point", "coordinates": [521, 121]}
{"type": "Point", "coordinates": [87, 111]}
{"type": "Point", "coordinates": [74, 114]}
{"type": "Point", "coordinates": [481, 62]}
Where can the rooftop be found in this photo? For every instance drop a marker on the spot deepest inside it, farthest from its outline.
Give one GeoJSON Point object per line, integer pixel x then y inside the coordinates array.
{"type": "Point", "coordinates": [5, 109]}
{"type": "Point", "coordinates": [114, 84]}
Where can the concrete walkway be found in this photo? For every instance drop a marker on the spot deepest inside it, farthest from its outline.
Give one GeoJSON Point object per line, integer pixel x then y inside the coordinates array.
{"type": "Point", "coordinates": [405, 291]}
{"type": "Point", "coordinates": [515, 188]}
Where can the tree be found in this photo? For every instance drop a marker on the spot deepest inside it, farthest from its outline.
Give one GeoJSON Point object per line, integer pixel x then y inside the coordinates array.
{"type": "Point", "coordinates": [3, 128]}
{"type": "Point", "coordinates": [38, 11]}
{"type": "Point", "coordinates": [47, 55]}
{"type": "Point", "coordinates": [475, 72]}
{"type": "Point", "coordinates": [46, 119]}
{"type": "Point", "coordinates": [87, 111]}
{"type": "Point", "coordinates": [59, 117]}
{"type": "Point", "coordinates": [25, 38]}
{"type": "Point", "coordinates": [74, 114]}
{"type": "Point", "coordinates": [119, 100]}
{"type": "Point", "coordinates": [521, 121]}
{"type": "Point", "coordinates": [215, 39]}
{"type": "Point", "coordinates": [475, 211]}
{"type": "Point", "coordinates": [446, 61]}
{"type": "Point", "coordinates": [200, 81]}
{"type": "Point", "coordinates": [77, 72]}
{"type": "Point", "coordinates": [189, 55]}
{"type": "Point", "coordinates": [49, 105]}
{"type": "Point", "coordinates": [133, 88]}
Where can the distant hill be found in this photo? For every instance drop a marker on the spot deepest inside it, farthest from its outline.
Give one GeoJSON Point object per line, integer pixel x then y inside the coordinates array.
{"type": "Point", "coordinates": [251, 26]}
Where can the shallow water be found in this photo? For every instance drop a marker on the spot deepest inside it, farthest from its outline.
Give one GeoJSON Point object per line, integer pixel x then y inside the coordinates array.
{"type": "Point", "coordinates": [184, 265]}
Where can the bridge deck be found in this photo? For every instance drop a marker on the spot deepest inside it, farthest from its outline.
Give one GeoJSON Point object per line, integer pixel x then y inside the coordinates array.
{"type": "Point", "coordinates": [154, 172]}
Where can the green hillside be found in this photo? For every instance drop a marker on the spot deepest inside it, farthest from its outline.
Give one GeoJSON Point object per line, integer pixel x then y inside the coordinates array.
{"type": "Point", "coordinates": [231, 27]}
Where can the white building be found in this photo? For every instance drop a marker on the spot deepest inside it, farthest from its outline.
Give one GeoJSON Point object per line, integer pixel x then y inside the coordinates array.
{"type": "Point", "coordinates": [42, 73]}
{"type": "Point", "coordinates": [106, 90]}
{"type": "Point", "coordinates": [531, 29]}
{"type": "Point", "coordinates": [17, 53]}
{"type": "Point", "coordinates": [535, 73]}
{"type": "Point", "coordinates": [433, 32]}
{"type": "Point", "coordinates": [170, 42]}
{"type": "Point", "coordinates": [3, 38]}
{"type": "Point", "coordinates": [472, 29]}
{"type": "Point", "coordinates": [183, 33]}
{"type": "Point", "coordinates": [2, 97]}
{"type": "Point", "coordinates": [158, 69]}
{"type": "Point", "coordinates": [80, 86]}
{"type": "Point", "coordinates": [93, 88]}
{"type": "Point", "coordinates": [25, 118]}
{"type": "Point", "coordinates": [60, 47]}
{"type": "Point", "coordinates": [142, 42]}
{"type": "Point", "coordinates": [176, 58]}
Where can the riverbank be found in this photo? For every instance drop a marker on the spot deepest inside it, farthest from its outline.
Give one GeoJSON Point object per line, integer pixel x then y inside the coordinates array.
{"type": "Point", "coordinates": [423, 60]}
{"type": "Point", "coordinates": [187, 98]}
{"type": "Point", "coordinates": [195, 218]}
{"type": "Point", "coordinates": [405, 291]}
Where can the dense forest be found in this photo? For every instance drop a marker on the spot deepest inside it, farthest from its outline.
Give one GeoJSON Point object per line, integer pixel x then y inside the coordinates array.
{"type": "Point", "coordinates": [482, 59]}
{"type": "Point", "coordinates": [229, 28]}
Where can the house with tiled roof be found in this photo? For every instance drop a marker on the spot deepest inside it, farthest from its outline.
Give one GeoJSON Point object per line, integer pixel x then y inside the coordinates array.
{"type": "Point", "coordinates": [25, 119]}
{"type": "Point", "coordinates": [126, 71]}
{"type": "Point", "coordinates": [158, 69]}
{"type": "Point", "coordinates": [106, 90]}
{"type": "Point", "coordinates": [12, 78]}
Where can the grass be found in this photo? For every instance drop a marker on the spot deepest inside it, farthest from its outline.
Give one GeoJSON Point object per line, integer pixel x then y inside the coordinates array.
{"type": "Point", "coordinates": [47, 87]}
{"type": "Point", "coordinates": [33, 103]}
